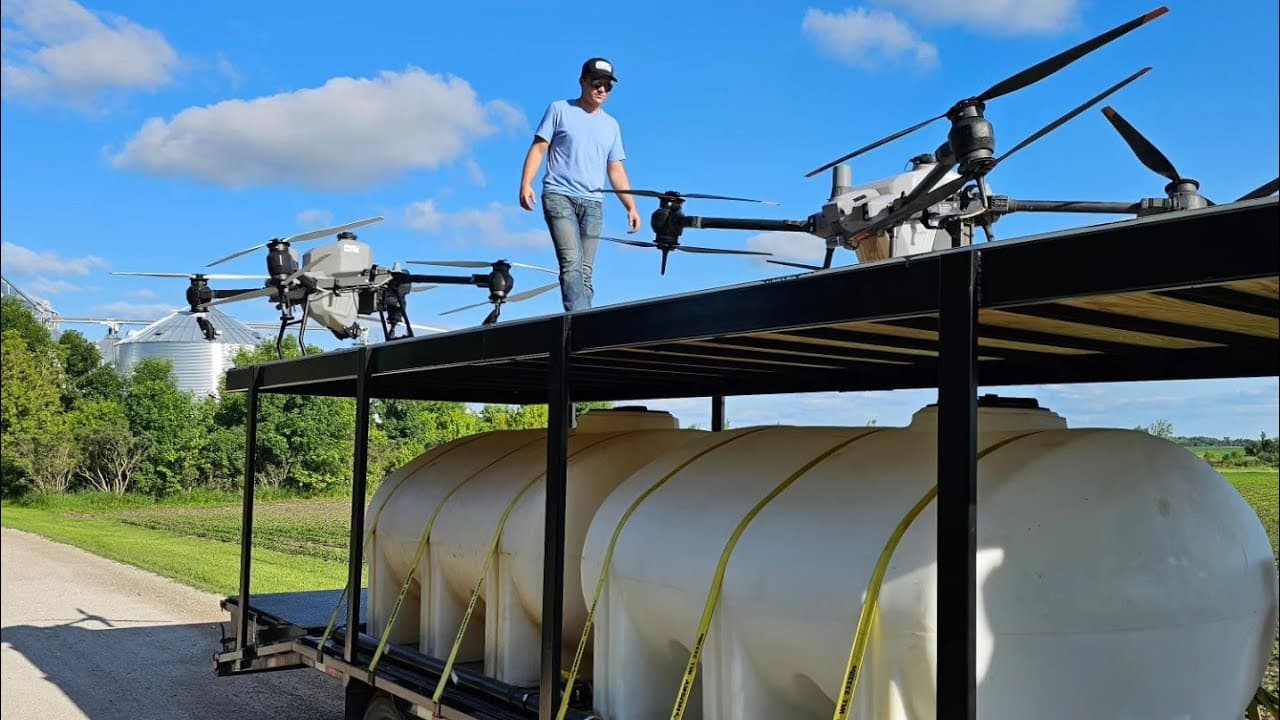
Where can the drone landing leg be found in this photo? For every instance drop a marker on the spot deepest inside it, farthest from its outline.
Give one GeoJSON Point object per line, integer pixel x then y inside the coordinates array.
{"type": "Point", "coordinates": [493, 316]}
{"type": "Point", "coordinates": [382, 318]}
{"type": "Point", "coordinates": [302, 329]}
{"type": "Point", "coordinates": [408, 324]}
{"type": "Point", "coordinates": [284, 323]}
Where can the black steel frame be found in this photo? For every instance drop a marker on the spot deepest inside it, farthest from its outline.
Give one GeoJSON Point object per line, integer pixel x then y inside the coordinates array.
{"type": "Point", "coordinates": [981, 276]}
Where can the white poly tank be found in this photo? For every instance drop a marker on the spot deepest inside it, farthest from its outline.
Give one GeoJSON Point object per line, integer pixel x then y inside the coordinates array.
{"type": "Point", "coordinates": [1119, 576]}
{"type": "Point", "coordinates": [492, 473]}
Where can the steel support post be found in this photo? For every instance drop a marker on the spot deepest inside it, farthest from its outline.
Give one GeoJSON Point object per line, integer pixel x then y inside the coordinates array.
{"type": "Point", "coordinates": [559, 420]}
{"type": "Point", "coordinates": [717, 413]}
{"type": "Point", "coordinates": [359, 469]}
{"type": "Point", "coordinates": [246, 515]}
{"type": "Point", "coordinates": [958, 299]}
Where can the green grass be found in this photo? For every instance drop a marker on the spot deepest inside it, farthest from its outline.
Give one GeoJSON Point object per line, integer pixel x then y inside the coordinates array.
{"type": "Point", "coordinates": [1260, 488]}
{"type": "Point", "coordinates": [198, 544]}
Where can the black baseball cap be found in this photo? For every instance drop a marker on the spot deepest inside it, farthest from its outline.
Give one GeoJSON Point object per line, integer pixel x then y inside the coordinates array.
{"type": "Point", "coordinates": [598, 67]}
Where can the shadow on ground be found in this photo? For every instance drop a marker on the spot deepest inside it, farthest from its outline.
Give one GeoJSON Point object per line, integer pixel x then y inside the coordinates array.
{"type": "Point", "coordinates": [122, 668]}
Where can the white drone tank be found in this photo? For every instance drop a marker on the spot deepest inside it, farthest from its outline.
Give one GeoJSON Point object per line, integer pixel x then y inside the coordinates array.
{"type": "Point", "coordinates": [479, 479]}
{"type": "Point", "coordinates": [346, 259]}
{"type": "Point", "coordinates": [1118, 576]}
{"type": "Point", "coordinates": [907, 238]}
{"type": "Point", "coordinates": [198, 364]}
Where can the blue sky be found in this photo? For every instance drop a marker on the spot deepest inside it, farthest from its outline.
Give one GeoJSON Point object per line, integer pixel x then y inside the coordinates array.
{"type": "Point", "coordinates": [160, 136]}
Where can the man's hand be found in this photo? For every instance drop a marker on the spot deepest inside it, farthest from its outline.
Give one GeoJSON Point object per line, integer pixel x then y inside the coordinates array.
{"type": "Point", "coordinates": [527, 198]}
{"type": "Point", "coordinates": [633, 218]}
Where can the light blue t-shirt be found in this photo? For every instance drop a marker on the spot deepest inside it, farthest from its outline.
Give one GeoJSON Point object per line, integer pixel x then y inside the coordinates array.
{"type": "Point", "coordinates": [582, 144]}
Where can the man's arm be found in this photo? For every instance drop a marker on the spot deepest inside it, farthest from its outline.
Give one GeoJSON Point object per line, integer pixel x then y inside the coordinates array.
{"type": "Point", "coordinates": [618, 179]}
{"type": "Point", "coordinates": [532, 161]}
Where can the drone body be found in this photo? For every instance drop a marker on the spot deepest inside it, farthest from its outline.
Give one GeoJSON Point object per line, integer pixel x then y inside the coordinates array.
{"type": "Point", "coordinates": [339, 274]}
{"type": "Point", "coordinates": [850, 210]}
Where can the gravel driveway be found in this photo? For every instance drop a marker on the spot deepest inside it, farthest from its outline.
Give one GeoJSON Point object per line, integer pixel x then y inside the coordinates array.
{"type": "Point", "coordinates": [86, 637]}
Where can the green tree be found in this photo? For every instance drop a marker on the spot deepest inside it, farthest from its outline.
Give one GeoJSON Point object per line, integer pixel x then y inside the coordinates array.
{"type": "Point", "coordinates": [31, 417]}
{"type": "Point", "coordinates": [15, 316]}
{"type": "Point", "coordinates": [81, 361]}
{"type": "Point", "coordinates": [304, 442]}
{"type": "Point", "coordinates": [164, 417]}
{"type": "Point", "coordinates": [1159, 428]}
{"type": "Point", "coordinates": [113, 455]}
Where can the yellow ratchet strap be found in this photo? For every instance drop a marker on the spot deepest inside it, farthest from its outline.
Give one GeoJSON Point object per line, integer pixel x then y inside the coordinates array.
{"type": "Point", "coordinates": [608, 559]}
{"type": "Point", "coordinates": [713, 596]}
{"type": "Point", "coordinates": [368, 534]}
{"type": "Point", "coordinates": [488, 559]}
{"type": "Point", "coordinates": [422, 546]}
{"type": "Point", "coordinates": [869, 605]}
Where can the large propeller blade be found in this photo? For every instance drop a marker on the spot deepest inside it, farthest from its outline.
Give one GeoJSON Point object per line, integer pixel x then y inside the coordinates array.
{"type": "Point", "coordinates": [531, 293]}
{"type": "Point", "coordinates": [1141, 146]}
{"type": "Point", "coordinates": [268, 291]}
{"type": "Point", "coordinates": [193, 276]}
{"type": "Point", "coordinates": [927, 199]}
{"type": "Point", "coordinates": [273, 289]}
{"type": "Point", "coordinates": [673, 195]}
{"type": "Point", "coordinates": [478, 264]}
{"type": "Point", "coordinates": [802, 266]}
{"type": "Point", "coordinates": [509, 299]}
{"type": "Point", "coordinates": [1261, 191]}
{"type": "Point", "coordinates": [685, 248]}
{"type": "Point", "coordinates": [1017, 81]}
{"type": "Point", "coordinates": [301, 237]}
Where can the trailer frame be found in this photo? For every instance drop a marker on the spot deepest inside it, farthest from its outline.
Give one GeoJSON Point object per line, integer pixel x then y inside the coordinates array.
{"type": "Point", "coordinates": [1182, 295]}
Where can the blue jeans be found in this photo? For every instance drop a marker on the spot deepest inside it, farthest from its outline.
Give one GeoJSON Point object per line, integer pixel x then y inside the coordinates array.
{"type": "Point", "coordinates": [575, 231]}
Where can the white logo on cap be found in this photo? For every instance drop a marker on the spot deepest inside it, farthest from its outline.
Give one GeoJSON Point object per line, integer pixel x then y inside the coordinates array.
{"type": "Point", "coordinates": [602, 65]}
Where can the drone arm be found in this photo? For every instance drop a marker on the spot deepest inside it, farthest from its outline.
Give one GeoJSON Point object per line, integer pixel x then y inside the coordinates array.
{"type": "Point", "coordinates": [1002, 205]}
{"type": "Point", "coordinates": [764, 225]}
{"type": "Point", "coordinates": [226, 293]}
{"type": "Point", "coordinates": [447, 279]}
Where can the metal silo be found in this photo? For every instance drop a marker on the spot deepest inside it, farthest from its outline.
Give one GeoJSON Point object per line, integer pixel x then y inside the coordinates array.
{"type": "Point", "coordinates": [198, 364]}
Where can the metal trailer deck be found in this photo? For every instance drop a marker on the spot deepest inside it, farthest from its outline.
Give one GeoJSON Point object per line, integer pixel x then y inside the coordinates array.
{"type": "Point", "coordinates": [1182, 295]}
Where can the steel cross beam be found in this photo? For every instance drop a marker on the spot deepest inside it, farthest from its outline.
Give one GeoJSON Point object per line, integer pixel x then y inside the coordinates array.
{"type": "Point", "coordinates": [359, 477]}
{"type": "Point", "coordinates": [957, 534]}
{"type": "Point", "coordinates": [246, 516]}
{"type": "Point", "coordinates": [559, 420]}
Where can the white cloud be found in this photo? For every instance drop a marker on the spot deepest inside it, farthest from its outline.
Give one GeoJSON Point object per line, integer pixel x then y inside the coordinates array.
{"type": "Point", "coordinates": [995, 16]}
{"type": "Point", "coordinates": [868, 39]}
{"type": "Point", "coordinates": [313, 218]}
{"type": "Point", "coordinates": [125, 310]}
{"type": "Point", "coordinates": [56, 50]}
{"type": "Point", "coordinates": [144, 294]}
{"type": "Point", "coordinates": [475, 173]}
{"type": "Point", "coordinates": [44, 286]}
{"type": "Point", "coordinates": [486, 226]}
{"type": "Point", "coordinates": [349, 133]}
{"type": "Point", "coordinates": [23, 261]}
{"type": "Point", "coordinates": [796, 247]}
{"type": "Point", "coordinates": [228, 70]}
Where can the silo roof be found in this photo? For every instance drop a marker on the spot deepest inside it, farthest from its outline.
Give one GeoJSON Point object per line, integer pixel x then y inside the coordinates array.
{"type": "Point", "coordinates": [180, 326]}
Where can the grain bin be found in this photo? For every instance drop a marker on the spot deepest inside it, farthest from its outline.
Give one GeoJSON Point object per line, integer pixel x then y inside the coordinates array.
{"type": "Point", "coordinates": [198, 364]}
{"type": "Point", "coordinates": [1118, 576]}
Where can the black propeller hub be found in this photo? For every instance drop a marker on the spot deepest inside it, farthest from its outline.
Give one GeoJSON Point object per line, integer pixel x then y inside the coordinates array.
{"type": "Point", "coordinates": [280, 262]}
{"type": "Point", "coordinates": [668, 222]}
{"type": "Point", "coordinates": [500, 281]}
{"type": "Point", "coordinates": [972, 139]}
{"type": "Point", "coordinates": [198, 292]}
{"type": "Point", "coordinates": [1185, 194]}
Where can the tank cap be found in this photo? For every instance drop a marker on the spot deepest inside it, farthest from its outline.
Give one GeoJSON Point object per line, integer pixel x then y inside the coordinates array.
{"type": "Point", "coordinates": [992, 400]}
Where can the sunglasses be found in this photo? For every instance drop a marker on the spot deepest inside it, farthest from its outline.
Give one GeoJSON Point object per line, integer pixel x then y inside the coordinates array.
{"type": "Point", "coordinates": [606, 84]}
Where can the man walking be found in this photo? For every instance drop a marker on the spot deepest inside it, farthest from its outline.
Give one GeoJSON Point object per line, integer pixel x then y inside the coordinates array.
{"type": "Point", "coordinates": [582, 144]}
